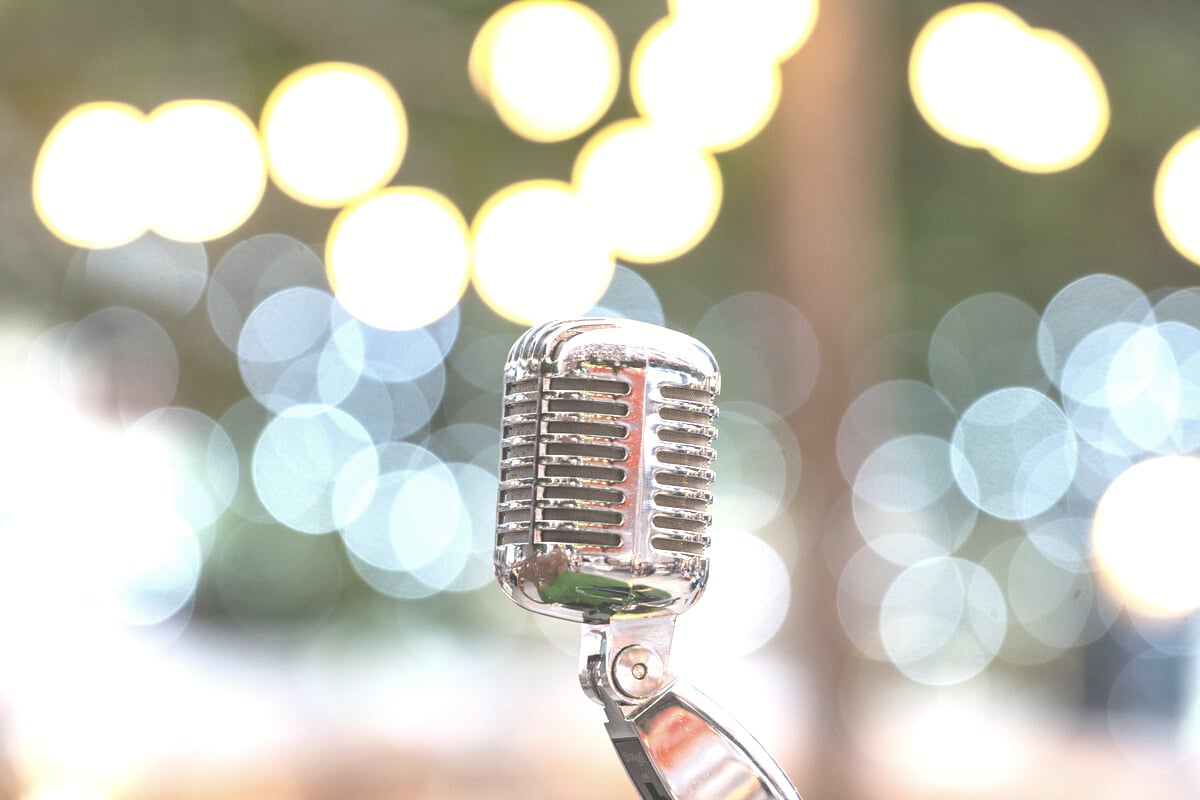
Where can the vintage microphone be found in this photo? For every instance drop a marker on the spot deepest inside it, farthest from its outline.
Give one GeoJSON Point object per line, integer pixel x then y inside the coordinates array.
{"type": "Point", "coordinates": [603, 518]}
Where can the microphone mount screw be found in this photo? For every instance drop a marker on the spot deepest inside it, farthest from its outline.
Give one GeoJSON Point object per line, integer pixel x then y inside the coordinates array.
{"type": "Point", "coordinates": [637, 671]}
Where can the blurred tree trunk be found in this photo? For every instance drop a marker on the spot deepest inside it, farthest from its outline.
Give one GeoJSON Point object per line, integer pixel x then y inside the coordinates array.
{"type": "Point", "coordinates": [832, 151]}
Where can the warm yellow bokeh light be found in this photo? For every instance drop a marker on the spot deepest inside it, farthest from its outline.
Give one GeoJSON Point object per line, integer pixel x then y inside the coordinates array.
{"type": "Point", "coordinates": [1146, 535]}
{"type": "Point", "coordinates": [478, 70]}
{"type": "Point", "coordinates": [549, 67]}
{"type": "Point", "coordinates": [1062, 111]}
{"type": "Point", "coordinates": [333, 132]}
{"type": "Point", "coordinates": [399, 258]}
{"type": "Point", "coordinates": [715, 92]}
{"type": "Point", "coordinates": [89, 181]}
{"type": "Point", "coordinates": [1177, 196]}
{"type": "Point", "coordinates": [206, 172]}
{"type": "Point", "coordinates": [957, 69]}
{"type": "Point", "coordinates": [774, 28]}
{"type": "Point", "coordinates": [655, 197]}
{"type": "Point", "coordinates": [537, 253]}
{"type": "Point", "coordinates": [981, 77]}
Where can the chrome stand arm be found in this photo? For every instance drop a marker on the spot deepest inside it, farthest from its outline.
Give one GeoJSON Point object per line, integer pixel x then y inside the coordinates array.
{"type": "Point", "coordinates": [674, 742]}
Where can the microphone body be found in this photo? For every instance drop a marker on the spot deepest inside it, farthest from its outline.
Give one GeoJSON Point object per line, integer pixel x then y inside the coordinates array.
{"type": "Point", "coordinates": [603, 513]}
{"type": "Point", "coordinates": [605, 469]}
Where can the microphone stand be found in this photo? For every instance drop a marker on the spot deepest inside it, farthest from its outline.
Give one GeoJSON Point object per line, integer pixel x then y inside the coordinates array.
{"type": "Point", "coordinates": [674, 742]}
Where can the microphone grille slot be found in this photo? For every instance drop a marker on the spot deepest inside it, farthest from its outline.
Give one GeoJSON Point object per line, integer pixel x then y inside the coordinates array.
{"type": "Point", "coordinates": [673, 392]}
{"type": "Point", "coordinates": [518, 461]}
{"type": "Point", "coordinates": [683, 469]}
{"type": "Point", "coordinates": [585, 384]}
{"type": "Point", "coordinates": [587, 406]}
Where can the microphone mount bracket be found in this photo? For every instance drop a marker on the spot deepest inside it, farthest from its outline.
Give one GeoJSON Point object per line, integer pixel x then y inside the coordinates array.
{"type": "Point", "coordinates": [634, 652]}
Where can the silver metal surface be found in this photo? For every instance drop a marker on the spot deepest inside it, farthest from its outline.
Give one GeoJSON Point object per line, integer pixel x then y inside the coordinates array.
{"type": "Point", "coordinates": [605, 469]}
{"type": "Point", "coordinates": [621, 644]}
{"type": "Point", "coordinates": [701, 753]}
{"type": "Point", "coordinates": [603, 519]}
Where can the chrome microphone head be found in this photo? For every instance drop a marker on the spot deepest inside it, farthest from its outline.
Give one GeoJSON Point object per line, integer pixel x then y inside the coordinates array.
{"type": "Point", "coordinates": [605, 469]}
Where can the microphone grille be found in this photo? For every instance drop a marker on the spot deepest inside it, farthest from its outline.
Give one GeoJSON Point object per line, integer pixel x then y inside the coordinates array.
{"type": "Point", "coordinates": [605, 467]}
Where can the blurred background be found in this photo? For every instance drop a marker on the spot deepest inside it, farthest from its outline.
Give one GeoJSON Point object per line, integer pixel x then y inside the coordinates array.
{"type": "Point", "coordinates": [260, 265]}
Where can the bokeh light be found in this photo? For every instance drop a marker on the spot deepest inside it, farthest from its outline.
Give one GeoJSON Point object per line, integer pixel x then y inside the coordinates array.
{"type": "Point", "coordinates": [957, 69]}
{"type": "Point", "coordinates": [713, 89]}
{"type": "Point", "coordinates": [418, 525]}
{"type": "Point", "coordinates": [1014, 453]}
{"type": "Point", "coordinates": [1134, 388]}
{"type": "Point", "coordinates": [538, 254]}
{"type": "Point", "coordinates": [252, 271]}
{"type": "Point", "coordinates": [1177, 196]}
{"type": "Point", "coordinates": [549, 67]}
{"type": "Point", "coordinates": [752, 335]}
{"type": "Point", "coordinates": [1144, 535]}
{"type": "Point", "coordinates": [1063, 540]}
{"type": "Point", "coordinates": [744, 621]}
{"type": "Point", "coordinates": [631, 296]}
{"type": "Point", "coordinates": [149, 562]}
{"type": "Point", "coordinates": [887, 410]}
{"type": "Point", "coordinates": [122, 551]}
{"type": "Point", "coordinates": [399, 259]}
{"type": "Point", "coordinates": [88, 184]}
{"type": "Point", "coordinates": [333, 132]}
{"type": "Point", "coordinates": [299, 347]}
{"type": "Point", "coordinates": [392, 409]}
{"type": "Point", "coordinates": [982, 77]}
{"type": "Point", "coordinates": [862, 583]}
{"type": "Point", "coordinates": [984, 343]}
{"type": "Point", "coordinates": [298, 461]}
{"type": "Point", "coordinates": [244, 422]}
{"type": "Point", "coordinates": [466, 444]}
{"type": "Point", "coordinates": [1052, 602]}
{"type": "Point", "coordinates": [411, 520]}
{"type": "Point", "coordinates": [1081, 307]}
{"type": "Point", "coordinates": [943, 620]}
{"type": "Point", "coordinates": [652, 195]}
{"type": "Point", "coordinates": [775, 28]}
{"type": "Point", "coordinates": [192, 170]}
{"type": "Point", "coordinates": [1153, 388]}
{"type": "Point", "coordinates": [202, 467]}
{"type": "Point", "coordinates": [924, 525]}
{"type": "Point", "coordinates": [474, 362]}
{"type": "Point", "coordinates": [906, 473]}
{"type": "Point", "coordinates": [118, 361]}
{"type": "Point", "coordinates": [161, 277]}
{"type": "Point", "coordinates": [205, 169]}
{"type": "Point", "coordinates": [477, 487]}
{"type": "Point", "coordinates": [287, 329]}
{"type": "Point", "coordinates": [760, 466]}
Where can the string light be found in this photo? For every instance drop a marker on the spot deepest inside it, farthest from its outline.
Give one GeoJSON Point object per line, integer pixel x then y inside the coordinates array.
{"type": "Point", "coordinates": [88, 186]}
{"type": "Point", "coordinates": [1177, 196]}
{"type": "Point", "coordinates": [982, 77]}
{"type": "Point", "coordinates": [1144, 535]}
{"type": "Point", "coordinates": [549, 67]}
{"type": "Point", "coordinates": [333, 132]}
{"type": "Point", "coordinates": [538, 253]}
{"type": "Point", "coordinates": [651, 195]}
{"type": "Point", "coordinates": [399, 258]}
{"type": "Point", "coordinates": [206, 169]}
